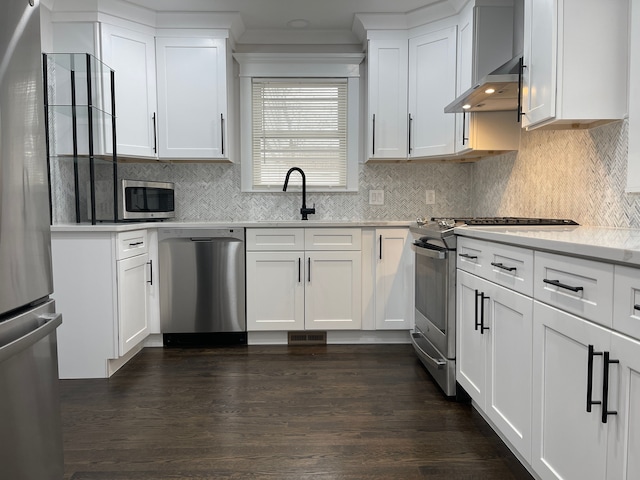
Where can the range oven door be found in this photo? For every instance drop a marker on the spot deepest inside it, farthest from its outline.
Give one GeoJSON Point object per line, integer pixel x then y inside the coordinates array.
{"type": "Point", "coordinates": [434, 296]}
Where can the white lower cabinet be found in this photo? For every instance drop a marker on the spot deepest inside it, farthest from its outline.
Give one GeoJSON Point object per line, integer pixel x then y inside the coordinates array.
{"type": "Point", "coordinates": [557, 378]}
{"type": "Point", "coordinates": [568, 441]}
{"type": "Point", "coordinates": [572, 437]}
{"type": "Point", "coordinates": [133, 305]}
{"type": "Point", "coordinates": [494, 355]}
{"type": "Point", "coordinates": [275, 291]}
{"type": "Point", "coordinates": [301, 279]}
{"type": "Point", "coordinates": [394, 285]}
{"type": "Point", "coordinates": [103, 286]}
{"type": "Point", "coordinates": [332, 291]}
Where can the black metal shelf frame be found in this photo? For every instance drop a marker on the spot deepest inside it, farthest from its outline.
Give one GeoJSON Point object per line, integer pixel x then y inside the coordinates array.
{"type": "Point", "coordinates": [87, 66]}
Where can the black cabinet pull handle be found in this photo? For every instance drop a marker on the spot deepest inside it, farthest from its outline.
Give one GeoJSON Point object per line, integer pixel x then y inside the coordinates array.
{"type": "Point", "coordinates": [373, 136]}
{"type": "Point", "coordinates": [135, 244]}
{"type": "Point", "coordinates": [503, 267]}
{"type": "Point", "coordinates": [483, 297]}
{"type": "Point", "coordinates": [299, 269]}
{"type": "Point", "coordinates": [222, 134]}
{"type": "Point", "coordinates": [309, 268]}
{"type": "Point", "coordinates": [466, 255]}
{"type": "Point", "coordinates": [557, 283]}
{"type": "Point", "coordinates": [464, 128]}
{"type": "Point", "coordinates": [591, 354]}
{"type": "Point", "coordinates": [521, 67]}
{"type": "Point", "coordinates": [410, 123]}
{"type": "Point", "coordinates": [636, 306]}
{"type": "Point", "coordinates": [155, 134]}
{"type": "Point", "coordinates": [605, 388]}
{"type": "Point", "coordinates": [150, 263]}
{"type": "Point", "coordinates": [477, 323]}
{"type": "Point", "coordinates": [380, 247]}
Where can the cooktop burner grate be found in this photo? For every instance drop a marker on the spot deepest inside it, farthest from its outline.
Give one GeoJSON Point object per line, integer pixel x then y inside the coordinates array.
{"type": "Point", "coordinates": [507, 221]}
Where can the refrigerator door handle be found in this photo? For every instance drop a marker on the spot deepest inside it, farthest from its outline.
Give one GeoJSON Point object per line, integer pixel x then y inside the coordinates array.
{"type": "Point", "coordinates": [51, 322]}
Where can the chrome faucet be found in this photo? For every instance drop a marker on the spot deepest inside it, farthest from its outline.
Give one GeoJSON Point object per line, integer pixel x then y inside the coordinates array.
{"type": "Point", "coordinates": [304, 210]}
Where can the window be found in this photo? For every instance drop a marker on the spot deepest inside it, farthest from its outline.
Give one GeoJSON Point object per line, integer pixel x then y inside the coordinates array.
{"type": "Point", "coordinates": [300, 110]}
{"type": "Point", "coordinates": [301, 123]}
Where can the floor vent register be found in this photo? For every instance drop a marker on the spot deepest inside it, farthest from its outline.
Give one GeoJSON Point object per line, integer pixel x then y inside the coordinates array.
{"type": "Point", "coordinates": [307, 338]}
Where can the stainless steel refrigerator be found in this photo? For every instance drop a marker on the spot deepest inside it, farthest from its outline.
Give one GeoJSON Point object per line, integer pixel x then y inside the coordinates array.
{"type": "Point", "coordinates": [30, 426]}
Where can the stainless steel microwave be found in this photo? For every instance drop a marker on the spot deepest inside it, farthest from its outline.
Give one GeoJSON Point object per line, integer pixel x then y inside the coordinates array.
{"type": "Point", "coordinates": [138, 200]}
{"type": "Point", "coordinates": [144, 200]}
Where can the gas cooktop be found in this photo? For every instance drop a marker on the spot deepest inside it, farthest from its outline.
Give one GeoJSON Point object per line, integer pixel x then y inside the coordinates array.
{"type": "Point", "coordinates": [503, 221]}
{"type": "Point", "coordinates": [442, 227]}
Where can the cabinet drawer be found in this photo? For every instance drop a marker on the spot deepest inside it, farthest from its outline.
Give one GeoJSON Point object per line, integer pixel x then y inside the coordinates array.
{"type": "Point", "coordinates": [131, 244]}
{"type": "Point", "coordinates": [579, 286]}
{"type": "Point", "coordinates": [472, 255]}
{"type": "Point", "coordinates": [275, 239]}
{"type": "Point", "coordinates": [509, 266]}
{"type": "Point", "coordinates": [332, 239]}
{"type": "Point", "coordinates": [626, 301]}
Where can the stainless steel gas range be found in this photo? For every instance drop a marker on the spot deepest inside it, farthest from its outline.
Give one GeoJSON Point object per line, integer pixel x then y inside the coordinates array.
{"type": "Point", "coordinates": [434, 336]}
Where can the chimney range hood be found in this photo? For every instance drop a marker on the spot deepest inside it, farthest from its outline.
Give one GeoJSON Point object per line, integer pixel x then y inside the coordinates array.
{"type": "Point", "coordinates": [497, 91]}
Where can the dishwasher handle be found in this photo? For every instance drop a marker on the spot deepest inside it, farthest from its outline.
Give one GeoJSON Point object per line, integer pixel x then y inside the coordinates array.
{"type": "Point", "coordinates": [202, 239]}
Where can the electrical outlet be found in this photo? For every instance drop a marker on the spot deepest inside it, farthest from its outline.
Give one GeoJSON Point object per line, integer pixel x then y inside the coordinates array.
{"type": "Point", "coordinates": [376, 197]}
{"type": "Point", "coordinates": [430, 197]}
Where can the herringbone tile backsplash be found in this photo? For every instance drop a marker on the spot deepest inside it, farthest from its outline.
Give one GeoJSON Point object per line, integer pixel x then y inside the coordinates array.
{"type": "Point", "coordinates": [556, 173]}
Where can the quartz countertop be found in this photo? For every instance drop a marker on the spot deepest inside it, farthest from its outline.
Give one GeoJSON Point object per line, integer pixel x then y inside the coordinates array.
{"type": "Point", "coordinates": [124, 227]}
{"type": "Point", "coordinates": [616, 245]}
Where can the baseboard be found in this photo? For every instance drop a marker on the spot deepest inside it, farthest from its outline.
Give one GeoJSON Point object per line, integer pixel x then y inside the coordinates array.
{"type": "Point", "coordinates": [337, 337]}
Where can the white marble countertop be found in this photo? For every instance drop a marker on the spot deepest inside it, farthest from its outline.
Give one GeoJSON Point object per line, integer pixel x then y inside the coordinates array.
{"type": "Point", "coordinates": [617, 245]}
{"type": "Point", "coordinates": [124, 227]}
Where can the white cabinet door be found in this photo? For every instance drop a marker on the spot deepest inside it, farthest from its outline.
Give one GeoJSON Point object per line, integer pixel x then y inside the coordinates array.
{"type": "Point", "coordinates": [432, 85]}
{"type": "Point", "coordinates": [387, 119]}
{"type": "Point", "coordinates": [508, 368]}
{"type": "Point", "coordinates": [539, 78]}
{"type": "Point", "coordinates": [567, 441]}
{"type": "Point", "coordinates": [394, 280]}
{"type": "Point", "coordinates": [624, 434]}
{"type": "Point", "coordinates": [275, 291]}
{"type": "Point", "coordinates": [132, 56]}
{"type": "Point", "coordinates": [570, 49]}
{"type": "Point", "coordinates": [471, 348]}
{"type": "Point", "coordinates": [333, 290]}
{"type": "Point", "coordinates": [133, 318]}
{"type": "Point", "coordinates": [192, 97]}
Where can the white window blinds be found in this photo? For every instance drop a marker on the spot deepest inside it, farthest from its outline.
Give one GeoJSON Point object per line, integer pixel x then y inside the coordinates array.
{"type": "Point", "coordinates": [299, 123]}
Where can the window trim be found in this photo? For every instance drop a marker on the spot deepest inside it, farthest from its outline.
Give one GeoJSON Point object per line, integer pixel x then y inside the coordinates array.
{"type": "Point", "coordinates": [346, 65]}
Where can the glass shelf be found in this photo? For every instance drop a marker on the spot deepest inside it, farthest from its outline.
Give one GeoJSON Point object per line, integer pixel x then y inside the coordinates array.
{"type": "Point", "coordinates": [81, 147]}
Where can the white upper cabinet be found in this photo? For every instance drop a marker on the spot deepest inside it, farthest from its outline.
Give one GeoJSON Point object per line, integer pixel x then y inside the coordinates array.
{"type": "Point", "coordinates": [387, 119]}
{"type": "Point", "coordinates": [411, 77]}
{"type": "Point", "coordinates": [132, 55]}
{"type": "Point", "coordinates": [192, 97]}
{"type": "Point", "coordinates": [575, 57]}
{"type": "Point", "coordinates": [432, 83]}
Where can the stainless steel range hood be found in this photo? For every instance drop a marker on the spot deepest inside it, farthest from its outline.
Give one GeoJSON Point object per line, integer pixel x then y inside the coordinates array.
{"type": "Point", "coordinates": [497, 91]}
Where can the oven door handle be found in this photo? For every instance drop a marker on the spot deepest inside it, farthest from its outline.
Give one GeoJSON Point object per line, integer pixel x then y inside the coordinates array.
{"type": "Point", "coordinates": [438, 363]}
{"type": "Point", "coordinates": [427, 252]}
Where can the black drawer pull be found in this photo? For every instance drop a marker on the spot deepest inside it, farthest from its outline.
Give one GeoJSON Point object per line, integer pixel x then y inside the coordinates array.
{"type": "Point", "coordinates": [466, 255]}
{"type": "Point", "coordinates": [503, 267]}
{"type": "Point", "coordinates": [590, 356]}
{"type": "Point", "coordinates": [562, 285]}
{"type": "Point", "coordinates": [636, 307]}
{"type": "Point", "coordinates": [135, 244]}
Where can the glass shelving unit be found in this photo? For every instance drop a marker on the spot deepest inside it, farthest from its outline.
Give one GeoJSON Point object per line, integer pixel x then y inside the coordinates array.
{"type": "Point", "coordinates": [81, 140]}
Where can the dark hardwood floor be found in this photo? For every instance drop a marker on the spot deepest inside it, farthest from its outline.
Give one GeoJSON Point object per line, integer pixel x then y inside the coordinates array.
{"type": "Point", "coordinates": [290, 413]}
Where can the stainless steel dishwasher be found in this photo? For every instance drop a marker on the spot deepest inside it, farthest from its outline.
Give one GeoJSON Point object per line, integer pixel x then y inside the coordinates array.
{"type": "Point", "coordinates": [202, 286]}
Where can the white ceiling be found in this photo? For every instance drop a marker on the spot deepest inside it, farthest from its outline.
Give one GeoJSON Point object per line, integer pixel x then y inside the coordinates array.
{"type": "Point", "coordinates": [322, 15]}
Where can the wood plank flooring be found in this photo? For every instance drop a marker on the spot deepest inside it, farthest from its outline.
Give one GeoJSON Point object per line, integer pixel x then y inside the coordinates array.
{"type": "Point", "coordinates": [278, 413]}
